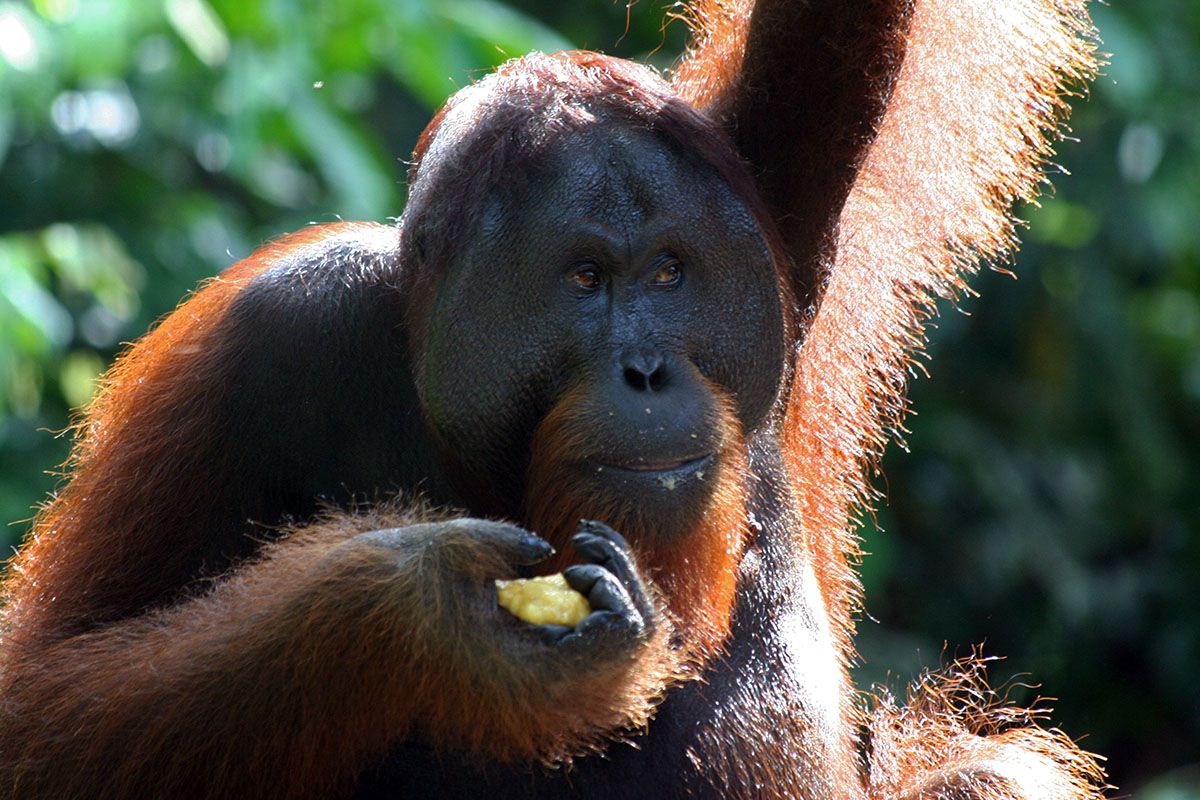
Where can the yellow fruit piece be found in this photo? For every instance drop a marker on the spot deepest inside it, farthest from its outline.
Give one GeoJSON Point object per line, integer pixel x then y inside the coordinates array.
{"type": "Point", "coordinates": [548, 600]}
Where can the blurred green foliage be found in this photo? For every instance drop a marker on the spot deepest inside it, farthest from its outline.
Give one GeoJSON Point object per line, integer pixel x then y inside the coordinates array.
{"type": "Point", "coordinates": [1049, 500]}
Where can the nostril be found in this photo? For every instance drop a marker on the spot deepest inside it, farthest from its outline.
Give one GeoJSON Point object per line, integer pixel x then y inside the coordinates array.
{"type": "Point", "coordinates": [645, 373]}
{"type": "Point", "coordinates": [657, 378]}
{"type": "Point", "coordinates": [637, 379]}
{"type": "Point", "coordinates": [644, 370]}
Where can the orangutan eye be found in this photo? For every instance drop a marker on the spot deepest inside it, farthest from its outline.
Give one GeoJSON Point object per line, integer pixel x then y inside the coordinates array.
{"type": "Point", "coordinates": [586, 280]}
{"type": "Point", "coordinates": [668, 274]}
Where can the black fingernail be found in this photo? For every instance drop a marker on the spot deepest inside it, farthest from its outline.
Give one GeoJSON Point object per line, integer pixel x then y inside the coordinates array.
{"type": "Point", "coordinates": [537, 544]}
{"type": "Point", "coordinates": [553, 633]}
{"type": "Point", "coordinates": [583, 537]}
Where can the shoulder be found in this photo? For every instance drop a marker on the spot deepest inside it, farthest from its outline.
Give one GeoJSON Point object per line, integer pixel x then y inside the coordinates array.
{"type": "Point", "coordinates": [312, 340]}
{"type": "Point", "coordinates": [315, 266]}
{"type": "Point", "coordinates": [316, 299]}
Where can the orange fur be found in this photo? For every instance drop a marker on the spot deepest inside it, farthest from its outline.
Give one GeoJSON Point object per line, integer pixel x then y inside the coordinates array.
{"type": "Point", "coordinates": [965, 137]}
{"type": "Point", "coordinates": [696, 572]}
{"type": "Point", "coordinates": [982, 90]}
{"type": "Point", "coordinates": [116, 686]}
{"type": "Point", "coordinates": [152, 707]}
{"type": "Point", "coordinates": [97, 536]}
{"type": "Point", "coordinates": [956, 737]}
{"type": "Point", "coordinates": [161, 706]}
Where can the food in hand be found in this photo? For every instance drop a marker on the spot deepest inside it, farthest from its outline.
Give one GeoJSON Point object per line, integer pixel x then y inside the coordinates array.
{"type": "Point", "coordinates": [546, 600]}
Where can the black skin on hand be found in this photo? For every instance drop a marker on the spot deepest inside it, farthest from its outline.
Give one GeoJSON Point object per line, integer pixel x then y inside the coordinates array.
{"type": "Point", "coordinates": [620, 604]}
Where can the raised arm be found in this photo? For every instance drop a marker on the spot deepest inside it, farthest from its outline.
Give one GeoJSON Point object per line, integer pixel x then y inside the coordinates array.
{"type": "Point", "coordinates": [919, 150]}
{"type": "Point", "coordinates": [802, 88]}
{"type": "Point", "coordinates": [891, 140]}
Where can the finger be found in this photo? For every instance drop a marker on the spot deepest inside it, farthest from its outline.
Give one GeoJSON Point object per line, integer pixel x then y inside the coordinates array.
{"type": "Point", "coordinates": [581, 577]}
{"type": "Point", "coordinates": [599, 635]}
{"type": "Point", "coordinates": [528, 549]}
{"type": "Point", "coordinates": [601, 588]}
{"type": "Point", "coordinates": [610, 626]}
{"type": "Point", "coordinates": [613, 626]}
{"type": "Point", "coordinates": [551, 634]}
{"type": "Point", "coordinates": [516, 545]}
{"type": "Point", "coordinates": [602, 545]}
{"type": "Point", "coordinates": [599, 550]}
{"type": "Point", "coordinates": [598, 528]}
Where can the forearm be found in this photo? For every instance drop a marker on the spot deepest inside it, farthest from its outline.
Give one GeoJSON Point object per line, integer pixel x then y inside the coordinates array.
{"type": "Point", "coordinates": [216, 697]}
{"type": "Point", "coordinates": [289, 675]}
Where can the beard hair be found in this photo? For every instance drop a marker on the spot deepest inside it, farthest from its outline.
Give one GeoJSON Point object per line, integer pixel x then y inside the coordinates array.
{"type": "Point", "coordinates": [693, 567]}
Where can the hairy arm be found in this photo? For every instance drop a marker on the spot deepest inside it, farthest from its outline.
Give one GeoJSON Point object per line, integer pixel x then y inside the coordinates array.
{"type": "Point", "coordinates": [801, 85]}
{"type": "Point", "coordinates": [890, 139]}
{"type": "Point", "coordinates": [969, 122]}
{"type": "Point", "coordinates": [287, 676]}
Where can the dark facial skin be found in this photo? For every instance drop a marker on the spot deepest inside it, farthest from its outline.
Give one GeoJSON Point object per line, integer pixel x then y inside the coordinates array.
{"type": "Point", "coordinates": [627, 279]}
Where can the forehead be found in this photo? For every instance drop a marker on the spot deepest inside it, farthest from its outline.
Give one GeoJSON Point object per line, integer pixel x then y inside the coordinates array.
{"type": "Point", "coordinates": [624, 176]}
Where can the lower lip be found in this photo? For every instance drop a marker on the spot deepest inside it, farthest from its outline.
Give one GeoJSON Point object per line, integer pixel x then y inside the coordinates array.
{"type": "Point", "coordinates": [677, 471]}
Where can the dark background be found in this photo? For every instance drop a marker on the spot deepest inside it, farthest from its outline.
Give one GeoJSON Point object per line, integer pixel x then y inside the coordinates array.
{"type": "Point", "coordinates": [1048, 504]}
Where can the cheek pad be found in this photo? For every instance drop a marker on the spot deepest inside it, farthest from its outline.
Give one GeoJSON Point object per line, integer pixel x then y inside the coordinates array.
{"type": "Point", "coordinates": [736, 339]}
{"type": "Point", "coordinates": [486, 368]}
